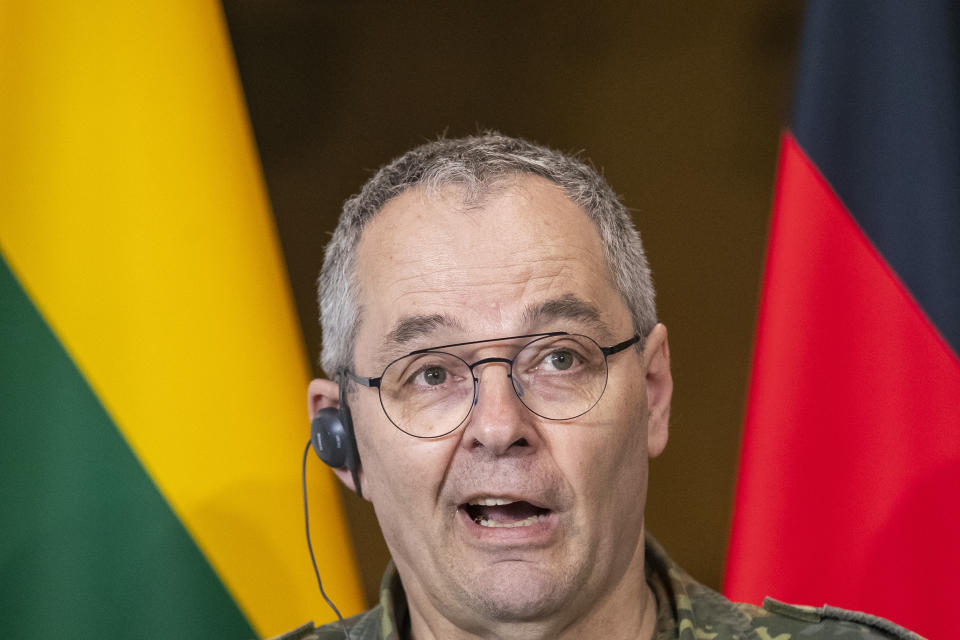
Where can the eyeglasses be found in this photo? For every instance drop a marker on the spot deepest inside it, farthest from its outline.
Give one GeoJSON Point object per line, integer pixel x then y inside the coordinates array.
{"type": "Point", "coordinates": [429, 393]}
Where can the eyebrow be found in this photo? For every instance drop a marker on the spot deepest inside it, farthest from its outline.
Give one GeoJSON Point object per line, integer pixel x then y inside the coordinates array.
{"type": "Point", "coordinates": [566, 307]}
{"type": "Point", "coordinates": [413, 327]}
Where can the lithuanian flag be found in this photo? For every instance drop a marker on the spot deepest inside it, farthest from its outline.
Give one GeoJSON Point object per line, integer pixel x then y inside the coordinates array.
{"type": "Point", "coordinates": [152, 373]}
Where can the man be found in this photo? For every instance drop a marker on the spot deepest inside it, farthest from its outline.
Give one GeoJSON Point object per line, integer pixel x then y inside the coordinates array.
{"type": "Point", "coordinates": [488, 316]}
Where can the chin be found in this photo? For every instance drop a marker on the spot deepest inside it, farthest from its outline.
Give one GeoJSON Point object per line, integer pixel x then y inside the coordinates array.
{"type": "Point", "coordinates": [517, 591]}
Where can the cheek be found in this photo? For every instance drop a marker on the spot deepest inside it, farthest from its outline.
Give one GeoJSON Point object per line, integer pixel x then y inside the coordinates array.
{"type": "Point", "coordinates": [397, 468]}
{"type": "Point", "coordinates": [628, 410]}
{"type": "Point", "coordinates": [600, 461]}
{"type": "Point", "coordinates": [615, 455]}
{"type": "Point", "coordinates": [372, 431]}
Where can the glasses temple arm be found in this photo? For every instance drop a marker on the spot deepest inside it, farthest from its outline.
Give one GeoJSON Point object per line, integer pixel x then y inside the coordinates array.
{"type": "Point", "coordinates": [620, 346]}
{"type": "Point", "coordinates": [366, 382]}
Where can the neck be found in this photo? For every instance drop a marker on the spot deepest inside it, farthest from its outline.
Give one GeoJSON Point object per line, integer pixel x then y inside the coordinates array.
{"type": "Point", "coordinates": [626, 612]}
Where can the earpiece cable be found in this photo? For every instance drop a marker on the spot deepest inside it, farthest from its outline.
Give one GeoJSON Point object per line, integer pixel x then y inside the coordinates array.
{"type": "Point", "coordinates": [306, 521]}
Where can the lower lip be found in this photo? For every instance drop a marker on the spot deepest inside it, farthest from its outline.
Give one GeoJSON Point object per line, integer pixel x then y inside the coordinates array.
{"type": "Point", "coordinates": [538, 533]}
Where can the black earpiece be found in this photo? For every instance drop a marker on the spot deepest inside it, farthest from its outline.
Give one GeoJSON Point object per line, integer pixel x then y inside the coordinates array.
{"type": "Point", "coordinates": [331, 434]}
{"type": "Point", "coordinates": [329, 438]}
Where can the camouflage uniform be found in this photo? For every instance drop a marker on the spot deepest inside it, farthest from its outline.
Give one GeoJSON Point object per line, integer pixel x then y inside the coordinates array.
{"type": "Point", "coordinates": [686, 610]}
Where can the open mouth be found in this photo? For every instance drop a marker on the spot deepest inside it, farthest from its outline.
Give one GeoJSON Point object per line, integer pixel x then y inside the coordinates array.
{"type": "Point", "coordinates": [504, 513]}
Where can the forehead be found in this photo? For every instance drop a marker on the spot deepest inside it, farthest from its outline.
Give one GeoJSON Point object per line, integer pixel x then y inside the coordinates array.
{"type": "Point", "coordinates": [478, 270]}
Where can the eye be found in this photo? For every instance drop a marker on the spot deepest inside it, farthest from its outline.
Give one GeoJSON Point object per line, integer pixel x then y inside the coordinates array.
{"type": "Point", "coordinates": [424, 378]}
{"type": "Point", "coordinates": [561, 359]}
{"type": "Point", "coordinates": [433, 375]}
{"type": "Point", "coordinates": [430, 373]}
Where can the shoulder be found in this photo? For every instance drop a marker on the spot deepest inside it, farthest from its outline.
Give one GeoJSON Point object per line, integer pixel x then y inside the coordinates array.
{"type": "Point", "coordinates": [311, 632]}
{"type": "Point", "coordinates": [695, 611]}
{"type": "Point", "coordinates": [781, 621]}
{"type": "Point", "coordinates": [366, 626]}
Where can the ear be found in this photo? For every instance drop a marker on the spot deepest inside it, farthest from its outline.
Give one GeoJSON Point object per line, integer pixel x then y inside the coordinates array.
{"type": "Point", "coordinates": [659, 388]}
{"type": "Point", "coordinates": [320, 395]}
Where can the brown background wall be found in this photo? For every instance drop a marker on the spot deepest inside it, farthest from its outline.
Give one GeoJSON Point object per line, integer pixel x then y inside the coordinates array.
{"type": "Point", "coordinates": [679, 103]}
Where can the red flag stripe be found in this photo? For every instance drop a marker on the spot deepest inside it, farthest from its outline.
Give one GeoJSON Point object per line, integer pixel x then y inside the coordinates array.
{"type": "Point", "coordinates": [853, 424]}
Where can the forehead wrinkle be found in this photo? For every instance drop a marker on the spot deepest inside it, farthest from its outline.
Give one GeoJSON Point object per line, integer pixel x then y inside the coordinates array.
{"type": "Point", "coordinates": [462, 278]}
{"type": "Point", "coordinates": [519, 262]}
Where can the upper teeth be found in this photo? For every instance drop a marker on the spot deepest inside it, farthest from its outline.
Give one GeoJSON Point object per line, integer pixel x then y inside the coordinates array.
{"type": "Point", "coordinates": [490, 502]}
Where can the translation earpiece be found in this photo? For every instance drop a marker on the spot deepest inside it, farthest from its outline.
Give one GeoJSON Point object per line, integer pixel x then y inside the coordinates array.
{"type": "Point", "coordinates": [329, 437]}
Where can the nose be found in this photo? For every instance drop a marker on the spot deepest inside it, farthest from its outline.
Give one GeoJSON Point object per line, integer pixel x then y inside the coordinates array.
{"type": "Point", "coordinates": [499, 424]}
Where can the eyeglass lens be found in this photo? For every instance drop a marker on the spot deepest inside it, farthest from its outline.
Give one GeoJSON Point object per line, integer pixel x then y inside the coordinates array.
{"type": "Point", "coordinates": [557, 377]}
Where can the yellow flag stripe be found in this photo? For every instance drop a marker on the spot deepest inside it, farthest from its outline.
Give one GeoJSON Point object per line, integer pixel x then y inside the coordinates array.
{"type": "Point", "coordinates": [134, 212]}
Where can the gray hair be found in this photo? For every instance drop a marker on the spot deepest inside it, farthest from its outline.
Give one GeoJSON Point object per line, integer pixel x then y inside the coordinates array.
{"type": "Point", "coordinates": [476, 164]}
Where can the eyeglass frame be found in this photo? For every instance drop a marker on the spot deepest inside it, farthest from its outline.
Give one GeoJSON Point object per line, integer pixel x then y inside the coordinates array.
{"type": "Point", "coordinates": [375, 381]}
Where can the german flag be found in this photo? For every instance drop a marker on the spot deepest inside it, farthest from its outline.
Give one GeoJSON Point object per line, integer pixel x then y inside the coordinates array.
{"type": "Point", "coordinates": [850, 464]}
{"type": "Point", "coordinates": [152, 372]}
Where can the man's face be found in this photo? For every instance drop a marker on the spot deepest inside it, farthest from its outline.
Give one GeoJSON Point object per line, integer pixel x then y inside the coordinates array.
{"type": "Point", "coordinates": [432, 271]}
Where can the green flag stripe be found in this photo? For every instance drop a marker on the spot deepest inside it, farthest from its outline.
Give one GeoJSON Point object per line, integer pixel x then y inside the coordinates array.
{"type": "Point", "coordinates": [88, 546]}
